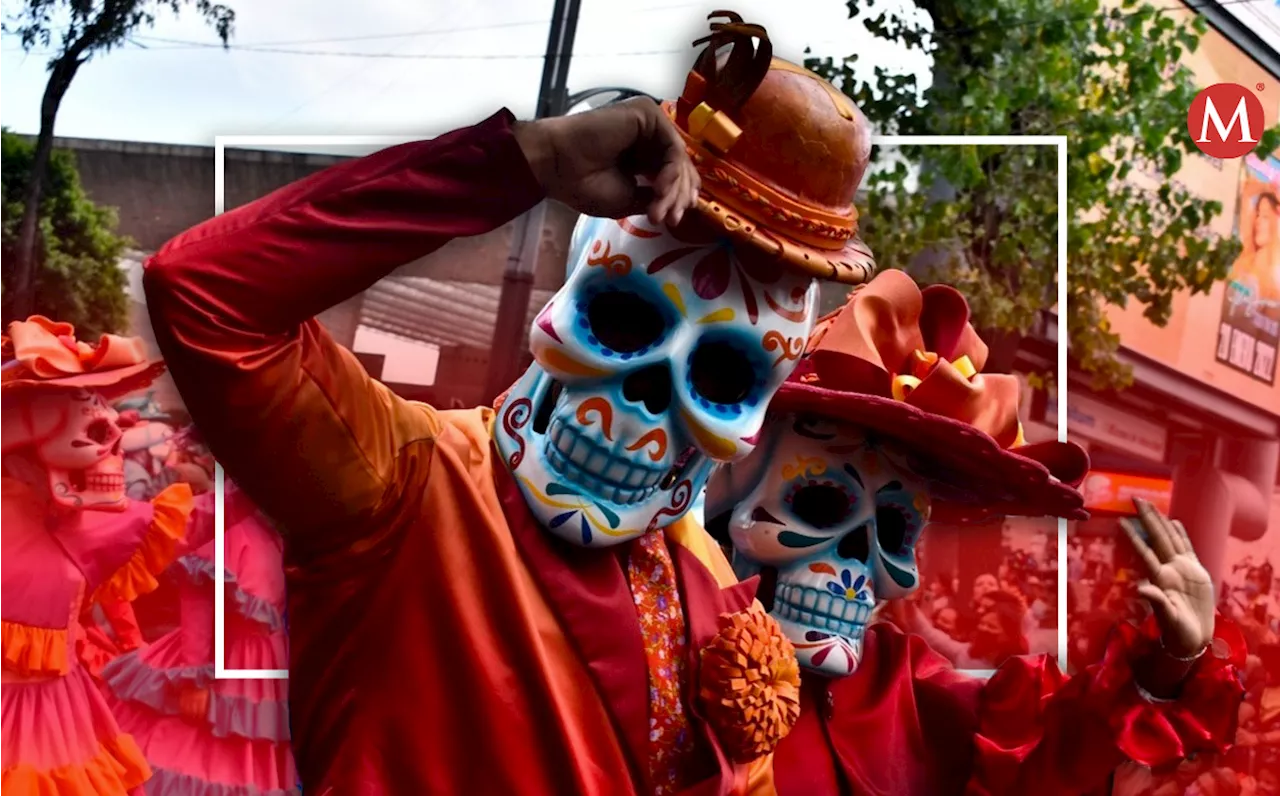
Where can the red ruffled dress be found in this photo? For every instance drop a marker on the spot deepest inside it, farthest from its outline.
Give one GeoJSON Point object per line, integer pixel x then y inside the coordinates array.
{"type": "Point", "coordinates": [205, 736]}
{"type": "Point", "coordinates": [906, 723]}
{"type": "Point", "coordinates": [59, 735]}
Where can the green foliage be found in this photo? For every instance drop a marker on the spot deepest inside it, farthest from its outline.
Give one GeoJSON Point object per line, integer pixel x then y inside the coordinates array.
{"type": "Point", "coordinates": [79, 279]}
{"type": "Point", "coordinates": [82, 27]}
{"type": "Point", "coordinates": [985, 218]}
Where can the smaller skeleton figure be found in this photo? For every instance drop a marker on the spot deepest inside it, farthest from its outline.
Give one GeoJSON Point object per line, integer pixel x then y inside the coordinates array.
{"type": "Point", "coordinates": [71, 538]}
{"type": "Point", "coordinates": [204, 735]}
{"type": "Point", "coordinates": [886, 425]}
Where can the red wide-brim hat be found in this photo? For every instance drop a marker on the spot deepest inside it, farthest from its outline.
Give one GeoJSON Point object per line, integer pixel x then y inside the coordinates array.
{"type": "Point", "coordinates": [906, 364]}
{"type": "Point", "coordinates": [44, 355]}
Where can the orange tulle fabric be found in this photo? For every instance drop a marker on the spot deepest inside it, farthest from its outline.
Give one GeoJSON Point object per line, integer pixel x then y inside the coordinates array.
{"type": "Point", "coordinates": [34, 650]}
{"type": "Point", "coordinates": [158, 549]}
{"type": "Point", "coordinates": [117, 768]}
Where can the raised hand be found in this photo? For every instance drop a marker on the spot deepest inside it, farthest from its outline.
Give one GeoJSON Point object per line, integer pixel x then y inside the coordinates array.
{"type": "Point", "coordinates": [1177, 586]}
{"type": "Point", "coordinates": [591, 161]}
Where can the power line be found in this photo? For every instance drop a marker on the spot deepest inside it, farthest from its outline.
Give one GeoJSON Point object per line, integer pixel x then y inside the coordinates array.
{"type": "Point", "coordinates": [636, 53]}
{"type": "Point", "coordinates": [184, 43]}
{"type": "Point", "coordinates": [351, 74]}
{"type": "Point", "coordinates": [955, 31]}
{"type": "Point", "coordinates": [417, 56]}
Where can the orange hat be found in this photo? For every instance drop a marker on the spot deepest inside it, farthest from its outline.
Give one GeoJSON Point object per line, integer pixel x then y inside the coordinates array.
{"type": "Point", "coordinates": [40, 354]}
{"type": "Point", "coordinates": [906, 364]}
{"type": "Point", "coordinates": [781, 153]}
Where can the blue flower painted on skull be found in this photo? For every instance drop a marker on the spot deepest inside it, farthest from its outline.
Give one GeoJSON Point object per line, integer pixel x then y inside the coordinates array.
{"type": "Point", "coordinates": [847, 588]}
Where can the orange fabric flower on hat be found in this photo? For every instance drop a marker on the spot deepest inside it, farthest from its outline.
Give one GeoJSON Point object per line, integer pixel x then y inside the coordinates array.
{"type": "Point", "coordinates": [40, 353]}
{"type": "Point", "coordinates": [750, 684]}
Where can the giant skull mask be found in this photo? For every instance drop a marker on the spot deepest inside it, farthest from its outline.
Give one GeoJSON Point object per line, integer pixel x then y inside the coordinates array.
{"type": "Point", "coordinates": [75, 436]}
{"type": "Point", "coordinates": [838, 515]}
{"type": "Point", "coordinates": [657, 358]}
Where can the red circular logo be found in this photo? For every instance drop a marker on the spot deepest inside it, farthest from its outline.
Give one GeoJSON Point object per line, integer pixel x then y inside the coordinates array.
{"type": "Point", "coordinates": [1225, 121]}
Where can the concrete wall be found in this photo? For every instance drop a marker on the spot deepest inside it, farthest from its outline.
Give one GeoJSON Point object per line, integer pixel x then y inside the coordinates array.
{"type": "Point", "coordinates": [160, 190]}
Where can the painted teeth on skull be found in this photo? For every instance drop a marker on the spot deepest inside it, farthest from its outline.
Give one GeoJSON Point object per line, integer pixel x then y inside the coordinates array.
{"type": "Point", "coordinates": [821, 609]}
{"type": "Point", "coordinates": [604, 472]}
{"type": "Point", "coordinates": [610, 474]}
{"type": "Point", "coordinates": [851, 629]}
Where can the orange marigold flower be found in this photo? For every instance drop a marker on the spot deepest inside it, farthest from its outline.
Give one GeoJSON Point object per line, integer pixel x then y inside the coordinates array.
{"type": "Point", "coordinates": [750, 684]}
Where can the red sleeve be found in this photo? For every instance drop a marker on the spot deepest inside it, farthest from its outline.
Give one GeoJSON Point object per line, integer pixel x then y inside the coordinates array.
{"type": "Point", "coordinates": [121, 617]}
{"type": "Point", "coordinates": [1041, 733]}
{"type": "Point", "coordinates": [197, 626]}
{"type": "Point", "coordinates": [322, 448]}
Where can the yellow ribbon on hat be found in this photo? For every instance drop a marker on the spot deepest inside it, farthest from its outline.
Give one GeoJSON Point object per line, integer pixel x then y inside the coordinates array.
{"type": "Point", "coordinates": [922, 362]}
{"type": "Point", "coordinates": [712, 128]}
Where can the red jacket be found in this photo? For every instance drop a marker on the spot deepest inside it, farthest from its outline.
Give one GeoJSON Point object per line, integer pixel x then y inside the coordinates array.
{"type": "Point", "coordinates": [906, 723]}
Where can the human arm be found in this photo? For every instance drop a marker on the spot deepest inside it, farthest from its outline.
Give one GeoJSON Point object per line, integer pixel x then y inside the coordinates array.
{"type": "Point", "coordinates": [288, 412]}
{"type": "Point", "coordinates": [1249, 193]}
{"type": "Point", "coordinates": [1161, 693]}
{"type": "Point", "coordinates": [1040, 732]}
{"type": "Point", "coordinates": [325, 450]}
{"type": "Point", "coordinates": [1181, 595]}
{"type": "Point", "coordinates": [913, 620]}
{"type": "Point", "coordinates": [123, 623]}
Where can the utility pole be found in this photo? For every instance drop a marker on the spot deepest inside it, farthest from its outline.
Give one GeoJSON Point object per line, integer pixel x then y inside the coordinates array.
{"type": "Point", "coordinates": [506, 352]}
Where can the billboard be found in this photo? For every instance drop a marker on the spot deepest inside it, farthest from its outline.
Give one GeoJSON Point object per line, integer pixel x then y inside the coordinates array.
{"type": "Point", "coordinates": [1224, 338]}
{"type": "Point", "coordinates": [1249, 330]}
{"type": "Point", "coordinates": [1113, 493]}
{"type": "Point", "coordinates": [1262, 17]}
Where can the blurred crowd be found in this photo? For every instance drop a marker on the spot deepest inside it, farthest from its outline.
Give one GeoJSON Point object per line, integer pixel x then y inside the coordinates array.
{"type": "Point", "coordinates": [1013, 611]}
{"type": "Point", "coordinates": [1007, 609]}
{"type": "Point", "coordinates": [161, 448]}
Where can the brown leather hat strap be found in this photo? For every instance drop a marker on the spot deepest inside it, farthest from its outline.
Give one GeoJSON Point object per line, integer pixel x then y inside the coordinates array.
{"type": "Point", "coordinates": [731, 82]}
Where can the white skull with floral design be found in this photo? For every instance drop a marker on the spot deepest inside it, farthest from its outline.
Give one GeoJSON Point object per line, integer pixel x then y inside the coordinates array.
{"type": "Point", "coordinates": [74, 435]}
{"type": "Point", "coordinates": [837, 514]}
{"type": "Point", "coordinates": [657, 358]}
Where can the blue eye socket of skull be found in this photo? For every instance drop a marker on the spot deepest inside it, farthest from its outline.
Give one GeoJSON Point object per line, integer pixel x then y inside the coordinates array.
{"type": "Point", "coordinates": [624, 322]}
{"type": "Point", "coordinates": [721, 373]}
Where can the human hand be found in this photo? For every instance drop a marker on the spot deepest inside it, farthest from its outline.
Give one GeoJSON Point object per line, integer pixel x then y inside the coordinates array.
{"type": "Point", "coordinates": [591, 161]}
{"type": "Point", "coordinates": [1178, 586]}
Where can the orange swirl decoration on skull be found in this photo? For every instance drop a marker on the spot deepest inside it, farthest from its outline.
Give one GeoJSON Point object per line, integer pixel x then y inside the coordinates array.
{"type": "Point", "coordinates": [656, 436]}
{"type": "Point", "coordinates": [789, 349]}
{"type": "Point", "coordinates": [804, 465]}
{"type": "Point", "coordinates": [615, 264]}
{"type": "Point", "coordinates": [601, 407]}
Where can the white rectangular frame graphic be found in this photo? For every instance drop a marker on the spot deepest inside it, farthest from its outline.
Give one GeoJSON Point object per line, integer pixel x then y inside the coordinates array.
{"type": "Point", "coordinates": [219, 202]}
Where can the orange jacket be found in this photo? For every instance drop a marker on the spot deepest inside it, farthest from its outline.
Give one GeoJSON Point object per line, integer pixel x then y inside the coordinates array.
{"type": "Point", "coordinates": [441, 642]}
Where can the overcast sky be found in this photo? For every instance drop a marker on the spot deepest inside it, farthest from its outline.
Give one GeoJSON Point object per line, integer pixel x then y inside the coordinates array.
{"type": "Point", "coordinates": [467, 60]}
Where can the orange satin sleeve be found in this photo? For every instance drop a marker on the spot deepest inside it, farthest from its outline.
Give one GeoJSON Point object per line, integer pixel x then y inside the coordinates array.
{"type": "Point", "coordinates": [331, 455]}
{"type": "Point", "coordinates": [322, 448]}
{"type": "Point", "coordinates": [757, 778]}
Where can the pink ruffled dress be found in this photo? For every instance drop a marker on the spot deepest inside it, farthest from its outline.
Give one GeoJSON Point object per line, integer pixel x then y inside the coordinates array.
{"type": "Point", "coordinates": [205, 736]}
{"type": "Point", "coordinates": [59, 735]}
